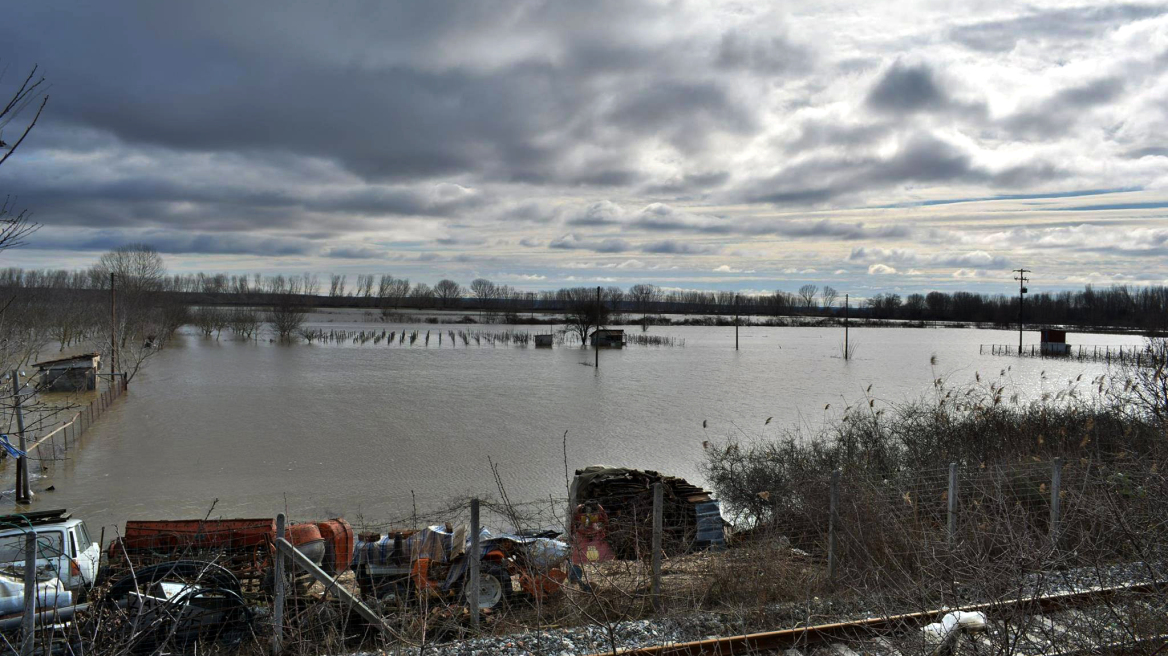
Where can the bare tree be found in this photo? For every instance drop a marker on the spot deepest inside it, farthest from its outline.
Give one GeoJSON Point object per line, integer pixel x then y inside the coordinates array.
{"type": "Point", "coordinates": [484, 290]}
{"type": "Point", "coordinates": [448, 292]}
{"type": "Point", "coordinates": [1145, 381]}
{"type": "Point", "coordinates": [311, 284]}
{"type": "Point", "coordinates": [807, 295]}
{"type": "Point", "coordinates": [364, 285]}
{"type": "Point", "coordinates": [336, 285]}
{"type": "Point", "coordinates": [287, 315]}
{"type": "Point", "coordinates": [829, 296]}
{"type": "Point", "coordinates": [421, 294]}
{"type": "Point", "coordinates": [137, 272]}
{"type": "Point", "coordinates": [16, 225]}
{"type": "Point", "coordinates": [584, 313]}
{"type": "Point", "coordinates": [245, 322]}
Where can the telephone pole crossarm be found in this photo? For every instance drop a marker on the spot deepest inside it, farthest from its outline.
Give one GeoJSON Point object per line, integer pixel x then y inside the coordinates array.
{"type": "Point", "coordinates": [1022, 280]}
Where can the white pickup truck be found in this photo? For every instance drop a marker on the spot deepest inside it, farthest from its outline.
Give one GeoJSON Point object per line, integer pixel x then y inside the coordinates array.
{"type": "Point", "coordinates": [64, 549]}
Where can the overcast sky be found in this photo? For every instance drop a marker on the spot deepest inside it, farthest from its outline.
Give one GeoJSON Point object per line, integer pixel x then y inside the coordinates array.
{"type": "Point", "coordinates": [740, 145]}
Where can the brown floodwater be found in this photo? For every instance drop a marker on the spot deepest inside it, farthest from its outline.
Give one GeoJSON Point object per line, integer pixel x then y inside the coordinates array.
{"type": "Point", "coordinates": [365, 430]}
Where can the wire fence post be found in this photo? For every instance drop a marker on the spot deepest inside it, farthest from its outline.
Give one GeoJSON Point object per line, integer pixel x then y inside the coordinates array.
{"type": "Point", "coordinates": [23, 493]}
{"type": "Point", "coordinates": [658, 530]}
{"type": "Point", "coordinates": [952, 504]}
{"type": "Point", "coordinates": [1056, 484]}
{"type": "Point", "coordinates": [833, 521]}
{"type": "Point", "coordinates": [278, 596]}
{"type": "Point", "coordinates": [472, 596]}
{"type": "Point", "coordinates": [28, 639]}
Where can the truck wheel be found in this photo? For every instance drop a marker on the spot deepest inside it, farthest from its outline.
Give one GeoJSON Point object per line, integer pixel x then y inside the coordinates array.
{"type": "Point", "coordinates": [494, 583]}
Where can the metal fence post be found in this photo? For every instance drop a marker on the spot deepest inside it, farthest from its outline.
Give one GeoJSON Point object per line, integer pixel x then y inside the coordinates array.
{"type": "Point", "coordinates": [28, 639]}
{"type": "Point", "coordinates": [658, 530]}
{"type": "Point", "coordinates": [833, 520]}
{"type": "Point", "coordinates": [472, 597]}
{"type": "Point", "coordinates": [278, 596]}
{"type": "Point", "coordinates": [952, 503]}
{"type": "Point", "coordinates": [1056, 484]}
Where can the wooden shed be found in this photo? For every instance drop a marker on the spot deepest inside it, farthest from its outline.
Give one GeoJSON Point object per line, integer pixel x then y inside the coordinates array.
{"type": "Point", "coordinates": [73, 374]}
{"type": "Point", "coordinates": [1054, 342]}
{"type": "Point", "coordinates": [609, 338]}
{"type": "Point", "coordinates": [544, 341]}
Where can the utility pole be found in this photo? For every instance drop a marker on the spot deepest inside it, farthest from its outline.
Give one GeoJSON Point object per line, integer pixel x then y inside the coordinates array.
{"type": "Point", "coordinates": [735, 322]}
{"type": "Point", "coordinates": [23, 494]}
{"type": "Point", "coordinates": [113, 330]}
{"type": "Point", "coordinates": [595, 337]}
{"type": "Point", "coordinates": [845, 326]}
{"type": "Point", "coordinates": [1022, 280]}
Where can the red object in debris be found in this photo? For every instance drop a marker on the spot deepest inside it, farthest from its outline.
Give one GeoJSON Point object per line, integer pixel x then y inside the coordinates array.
{"type": "Point", "coordinates": [170, 535]}
{"type": "Point", "coordinates": [590, 535]}
{"type": "Point", "coordinates": [338, 551]}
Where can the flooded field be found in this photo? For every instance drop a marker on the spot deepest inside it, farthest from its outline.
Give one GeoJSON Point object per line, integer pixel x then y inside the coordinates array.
{"type": "Point", "coordinates": [328, 428]}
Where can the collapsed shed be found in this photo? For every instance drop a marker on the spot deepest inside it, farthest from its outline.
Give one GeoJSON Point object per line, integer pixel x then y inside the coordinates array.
{"type": "Point", "coordinates": [77, 373]}
{"type": "Point", "coordinates": [691, 517]}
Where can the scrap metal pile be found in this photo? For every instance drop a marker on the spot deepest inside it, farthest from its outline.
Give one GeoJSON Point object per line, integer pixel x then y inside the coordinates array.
{"type": "Point", "coordinates": [624, 499]}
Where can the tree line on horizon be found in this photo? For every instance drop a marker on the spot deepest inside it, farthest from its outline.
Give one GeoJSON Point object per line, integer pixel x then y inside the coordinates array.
{"type": "Point", "coordinates": [1115, 306]}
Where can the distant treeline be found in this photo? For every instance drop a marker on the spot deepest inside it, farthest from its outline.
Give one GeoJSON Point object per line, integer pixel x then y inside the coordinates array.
{"type": "Point", "coordinates": [1120, 306]}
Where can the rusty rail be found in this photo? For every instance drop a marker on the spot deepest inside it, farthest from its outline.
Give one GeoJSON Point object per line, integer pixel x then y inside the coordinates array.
{"type": "Point", "coordinates": [802, 637]}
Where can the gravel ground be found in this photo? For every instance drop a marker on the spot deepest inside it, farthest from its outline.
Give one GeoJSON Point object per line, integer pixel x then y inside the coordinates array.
{"type": "Point", "coordinates": [697, 626]}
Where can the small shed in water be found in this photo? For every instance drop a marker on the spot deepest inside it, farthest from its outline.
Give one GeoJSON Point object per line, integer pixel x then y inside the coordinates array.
{"type": "Point", "coordinates": [610, 338]}
{"type": "Point", "coordinates": [73, 374]}
{"type": "Point", "coordinates": [1054, 342]}
{"type": "Point", "coordinates": [544, 341]}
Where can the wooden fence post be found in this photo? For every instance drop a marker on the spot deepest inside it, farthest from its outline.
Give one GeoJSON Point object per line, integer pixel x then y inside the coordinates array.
{"type": "Point", "coordinates": [473, 576]}
{"type": "Point", "coordinates": [832, 521]}
{"type": "Point", "coordinates": [952, 504]}
{"type": "Point", "coordinates": [1056, 484]}
{"type": "Point", "coordinates": [28, 639]}
{"type": "Point", "coordinates": [658, 530]}
{"type": "Point", "coordinates": [278, 595]}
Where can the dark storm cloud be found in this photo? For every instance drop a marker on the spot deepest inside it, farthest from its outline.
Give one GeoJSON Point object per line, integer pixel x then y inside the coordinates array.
{"type": "Point", "coordinates": [1054, 24]}
{"type": "Point", "coordinates": [381, 101]}
{"type": "Point", "coordinates": [1057, 114]}
{"type": "Point", "coordinates": [920, 158]}
{"type": "Point", "coordinates": [674, 247]}
{"type": "Point", "coordinates": [840, 230]}
{"type": "Point", "coordinates": [1148, 151]}
{"type": "Point", "coordinates": [906, 89]}
{"type": "Point", "coordinates": [767, 53]}
{"type": "Point", "coordinates": [689, 183]}
{"type": "Point", "coordinates": [910, 88]}
{"type": "Point", "coordinates": [170, 241]}
{"type": "Point", "coordinates": [353, 253]}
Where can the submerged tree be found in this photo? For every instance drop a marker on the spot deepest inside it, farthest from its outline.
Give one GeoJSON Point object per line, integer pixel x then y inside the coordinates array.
{"type": "Point", "coordinates": [287, 315]}
{"type": "Point", "coordinates": [585, 311]}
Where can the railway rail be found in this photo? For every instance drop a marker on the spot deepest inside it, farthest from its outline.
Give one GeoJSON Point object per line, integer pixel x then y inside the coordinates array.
{"type": "Point", "coordinates": [1062, 624]}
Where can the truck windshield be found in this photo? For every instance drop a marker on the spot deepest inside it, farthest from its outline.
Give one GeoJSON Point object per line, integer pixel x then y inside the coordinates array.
{"type": "Point", "coordinates": [49, 545]}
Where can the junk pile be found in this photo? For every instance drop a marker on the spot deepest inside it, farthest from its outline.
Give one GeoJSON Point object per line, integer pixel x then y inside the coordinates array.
{"type": "Point", "coordinates": [405, 566]}
{"type": "Point", "coordinates": [613, 517]}
{"type": "Point", "coordinates": [244, 546]}
{"type": "Point", "coordinates": [177, 604]}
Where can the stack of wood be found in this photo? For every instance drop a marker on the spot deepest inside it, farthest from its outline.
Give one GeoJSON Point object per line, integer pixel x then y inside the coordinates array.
{"type": "Point", "coordinates": [626, 495]}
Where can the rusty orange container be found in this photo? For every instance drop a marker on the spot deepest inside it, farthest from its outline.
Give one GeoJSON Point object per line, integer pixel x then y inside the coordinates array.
{"type": "Point", "coordinates": [338, 537]}
{"type": "Point", "coordinates": [306, 538]}
{"type": "Point", "coordinates": [229, 534]}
